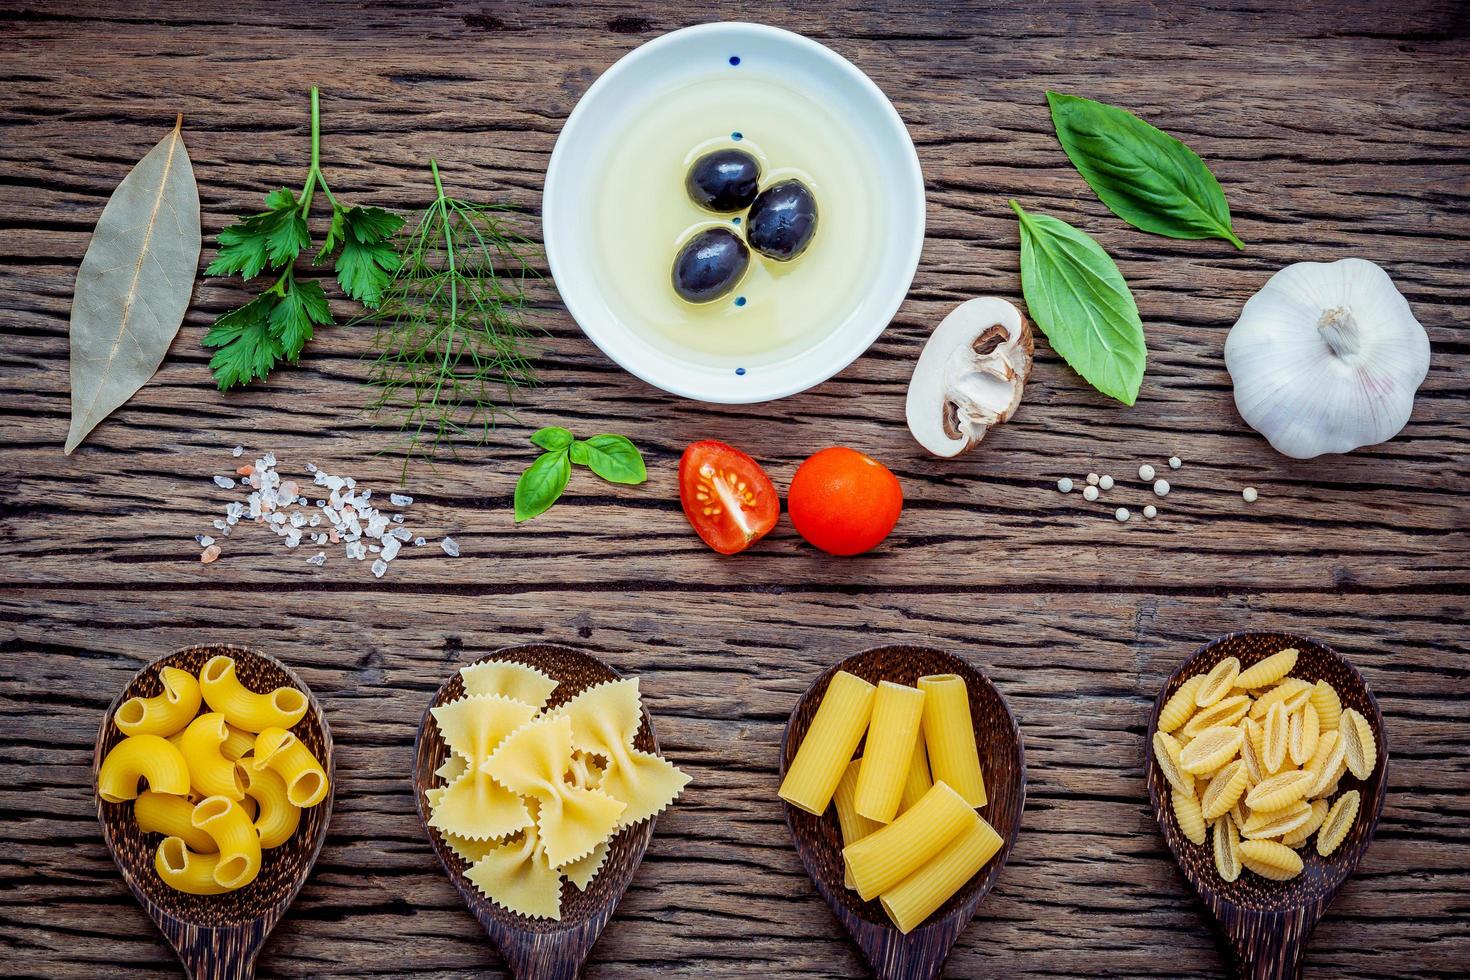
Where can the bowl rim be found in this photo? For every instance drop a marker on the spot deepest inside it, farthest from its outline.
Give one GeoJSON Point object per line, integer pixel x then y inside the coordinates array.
{"type": "Point", "coordinates": [908, 156]}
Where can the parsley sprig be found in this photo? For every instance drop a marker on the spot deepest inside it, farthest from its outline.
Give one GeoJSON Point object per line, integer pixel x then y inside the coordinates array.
{"type": "Point", "coordinates": [278, 323]}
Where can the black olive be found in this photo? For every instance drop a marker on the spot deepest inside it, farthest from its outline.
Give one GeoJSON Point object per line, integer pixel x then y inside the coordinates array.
{"type": "Point", "coordinates": [710, 265]}
{"type": "Point", "coordinates": [782, 220]}
{"type": "Point", "coordinates": [724, 181]}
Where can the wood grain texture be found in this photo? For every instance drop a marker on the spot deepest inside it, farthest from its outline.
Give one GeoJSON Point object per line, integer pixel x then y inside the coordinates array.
{"type": "Point", "coordinates": [1338, 128]}
{"type": "Point", "coordinates": [1267, 925]}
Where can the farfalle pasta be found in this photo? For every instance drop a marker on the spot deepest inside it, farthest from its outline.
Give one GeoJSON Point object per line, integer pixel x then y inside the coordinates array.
{"type": "Point", "coordinates": [216, 800]}
{"type": "Point", "coordinates": [1255, 764]}
{"type": "Point", "coordinates": [532, 797]}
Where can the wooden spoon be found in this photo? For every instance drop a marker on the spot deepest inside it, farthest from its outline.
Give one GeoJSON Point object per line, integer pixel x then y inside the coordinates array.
{"type": "Point", "coordinates": [920, 955]}
{"type": "Point", "coordinates": [539, 949]}
{"type": "Point", "coordinates": [1265, 925]}
{"type": "Point", "coordinates": [217, 937]}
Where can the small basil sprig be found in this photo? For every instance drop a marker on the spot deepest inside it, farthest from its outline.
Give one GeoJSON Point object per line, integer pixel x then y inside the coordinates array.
{"type": "Point", "coordinates": [1145, 176]}
{"type": "Point", "coordinates": [1079, 299]}
{"type": "Point", "coordinates": [614, 458]}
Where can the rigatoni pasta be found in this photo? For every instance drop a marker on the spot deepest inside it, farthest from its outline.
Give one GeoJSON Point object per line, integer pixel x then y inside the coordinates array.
{"type": "Point", "coordinates": [918, 780]}
{"type": "Point", "coordinates": [888, 856]}
{"type": "Point", "coordinates": [215, 798]}
{"type": "Point", "coordinates": [949, 736]}
{"type": "Point", "coordinates": [898, 711]}
{"type": "Point", "coordinates": [830, 741]}
{"type": "Point", "coordinates": [915, 898]}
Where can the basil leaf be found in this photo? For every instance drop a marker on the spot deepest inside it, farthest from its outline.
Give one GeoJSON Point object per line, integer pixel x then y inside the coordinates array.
{"type": "Point", "coordinates": [615, 459]}
{"type": "Point", "coordinates": [1078, 298]}
{"type": "Point", "coordinates": [541, 485]}
{"type": "Point", "coordinates": [579, 453]}
{"type": "Point", "coordinates": [1145, 176]}
{"type": "Point", "coordinates": [553, 438]}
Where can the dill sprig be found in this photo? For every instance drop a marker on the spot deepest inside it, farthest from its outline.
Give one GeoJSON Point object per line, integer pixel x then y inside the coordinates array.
{"type": "Point", "coordinates": [451, 347]}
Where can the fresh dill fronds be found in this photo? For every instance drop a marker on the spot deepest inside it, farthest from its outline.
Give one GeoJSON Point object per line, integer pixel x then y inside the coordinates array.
{"type": "Point", "coordinates": [451, 349]}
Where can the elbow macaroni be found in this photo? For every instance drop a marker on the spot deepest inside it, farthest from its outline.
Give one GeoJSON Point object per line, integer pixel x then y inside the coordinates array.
{"type": "Point", "coordinates": [215, 808]}
{"type": "Point", "coordinates": [244, 708]}
{"type": "Point", "coordinates": [235, 838]}
{"type": "Point", "coordinates": [142, 757]}
{"type": "Point", "coordinates": [210, 773]}
{"type": "Point", "coordinates": [163, 714]}
{"type": "Point", "coordinates": [306, 780]}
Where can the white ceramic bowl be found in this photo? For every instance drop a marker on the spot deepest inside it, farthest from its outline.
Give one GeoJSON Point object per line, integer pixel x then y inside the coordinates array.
{"type": "Point", "coordinates": [622, 92]}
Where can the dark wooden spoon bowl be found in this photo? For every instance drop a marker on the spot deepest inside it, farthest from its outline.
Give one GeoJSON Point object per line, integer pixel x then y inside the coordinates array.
{"type": "Point", "coordinates": [217, 937]}
{"type": "Point", "coordinates": [920, 955]}
{"type": "Point", "coordinates": [539, 949]}
{"type": "Point", "coordinates": [1265, 924]}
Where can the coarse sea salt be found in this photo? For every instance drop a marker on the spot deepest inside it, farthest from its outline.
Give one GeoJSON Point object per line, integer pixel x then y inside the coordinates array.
{"type": "Point", "coordinates": [352, 520]}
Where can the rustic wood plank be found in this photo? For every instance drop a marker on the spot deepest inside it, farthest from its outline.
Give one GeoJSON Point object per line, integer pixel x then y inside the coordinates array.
{"type": "Point", "coordinates": [1337, 129]}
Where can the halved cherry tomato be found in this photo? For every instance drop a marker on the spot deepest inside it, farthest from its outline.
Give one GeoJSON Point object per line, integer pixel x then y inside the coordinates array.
{"type": "Point", "coordinates": [727, 497]}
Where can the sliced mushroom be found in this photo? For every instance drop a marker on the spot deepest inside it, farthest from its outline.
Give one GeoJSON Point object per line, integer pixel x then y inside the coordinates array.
{"type": "Point", "coordinates": [970, 375]}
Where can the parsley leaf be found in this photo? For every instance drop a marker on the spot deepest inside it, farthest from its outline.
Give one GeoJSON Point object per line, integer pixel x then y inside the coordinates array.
{"type": "Point", "coordinates": [301, 305]}
{"type": "Point", "coordinates": [247, 348]}
{"type": "Point", "coordinates": [272, 238]}
{"type": "Point", "coordinates": [367, 261]}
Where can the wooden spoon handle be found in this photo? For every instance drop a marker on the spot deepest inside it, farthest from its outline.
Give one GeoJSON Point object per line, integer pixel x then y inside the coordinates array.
{"type": "Point", "coordinates": [218, 954]}
{"type": "Point", "coordinates": [546, 956]}
{"type": "Point", "coordinates": [1268, 945]}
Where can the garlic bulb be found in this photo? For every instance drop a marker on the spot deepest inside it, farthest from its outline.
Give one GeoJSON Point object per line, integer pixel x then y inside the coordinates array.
{"type": "Point", "coordinates": [1326, 358]}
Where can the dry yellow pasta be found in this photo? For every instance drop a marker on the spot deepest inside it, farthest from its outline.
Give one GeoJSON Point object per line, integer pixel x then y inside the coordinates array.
{"type": "Point", "coordinates": [171, 816]}
{"type": "Point", "coordinates": [1227, 848]}
{"type": "Point", "coordinates": [1218, 682]}
{"type": "Point", "coordinates": [1188, 815]}
{"type": "Point", "coordinates": [835, 731]}
{"type": "Point", "coordinates": [1221, 713]}
{"type": "Point", "coordinates": [1275, 743]}
{"type": "Point", "coordinates": [1267, 671]}
{"type": "Point", "coordinates": [244, 708]}
{"type": "Point", "coordinates": [1359, 747]}
{"type": "Point", "coordinates": [142, 757]}
{"type": "Point", "coordinates": [915, 898]}
{"type": "Point", "coordinates": [166, 713]}
{"type": "Point", "coordinates": [1285, 689]}
{"type": "Point", "coordinates": [1328, 765]}
{"type": "Point", "coordinates": [306, 780]}
{"type": "Point", "coordinates": [235, 839]}
{"type": "Point", "coordinates": [918, 781]}
{"type": "Point", "coordinates": [1328, 705]}
{"type": "Point", "coordinates": [1226, 786]}
{"type": "Point", "coordinates": [1250, 751]}
{"type": "Point", "coordinates": [949, 735]}
{"type": "Point", "coordinates": [1338, 823]}
{"type": "Point", "coordinates": [1166, 752]}
{"type": "Point", "coordinates": [1210, 750]}
{"type": "Point", "coordinates": [1278, 791]}
{"type": "Point", "coordinates": [237, 744]}
{"type": "Point", "coordinates": [1302, 735]}
{"type": "Point", "coordinates": [854, 825]}
{"type": "Point", "coordinates": [277, 817]}
{"type": "Point", "coordinates": [210, 773]}
{"type": "Point", "coordinates": [1299, 836]}
{"type": "Point", "coordinates": [898, 712]}
{"type": "Point", "coordinates": [1180, 706]}
{"type": "Point", "coordinates": [887, 856]}
{"type": "Point", "coordinates": [1277, 823]}
{"type": "Point", "coordinates": [187, 871]}
{"type": "Point", "coordinates": [1269, 859]}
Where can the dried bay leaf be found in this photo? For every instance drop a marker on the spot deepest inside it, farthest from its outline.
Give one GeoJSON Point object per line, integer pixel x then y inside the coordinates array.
{"type": "Point", "coordinates": [134, 283]}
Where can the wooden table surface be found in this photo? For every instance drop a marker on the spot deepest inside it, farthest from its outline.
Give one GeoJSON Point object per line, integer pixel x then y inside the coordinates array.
{"type": "Point", "coordinates": [1337, 129]}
